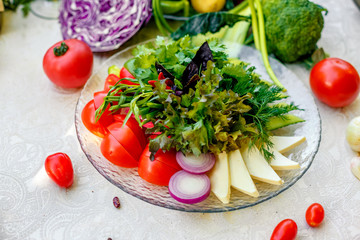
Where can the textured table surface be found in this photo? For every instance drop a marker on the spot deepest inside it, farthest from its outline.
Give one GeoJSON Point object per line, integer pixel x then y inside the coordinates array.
{"type": "Point", "coordinates": [37, 119]}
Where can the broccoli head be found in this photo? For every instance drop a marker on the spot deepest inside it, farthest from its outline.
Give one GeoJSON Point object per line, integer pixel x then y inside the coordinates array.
{"type": "Point", "coordinates": [292, 28]}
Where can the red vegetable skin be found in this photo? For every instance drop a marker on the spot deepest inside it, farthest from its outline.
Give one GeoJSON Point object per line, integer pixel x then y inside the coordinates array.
{"type": "Point", "coordinates": [124, 73]}
{"type": "Point", "coordinates": [88, 119]}
{"type": "Point", "coordinates": [113, 151]}
{"type": "Point", "coordinates": [110, 81]}
{"type": "Point", "coordinates": [335, 82]}
{"type": "Point", "coordinates": [189, 188]}
{"type": "Point", "coordinates": [160, 170]}
{"type": "Point", "coordinates": [73, 67]}
{"type": "Point", "coordinates": [126, 137]}
{"type": "Point", "coordinates": [134, 125]}
{"type": "Point", "coordinates": [285, 230]}
{"type": "Point", "coordinates": [314, 215]}
{"type": "Point", "coordinates": [59, 168]}
{"type": "Point", "coordinates": [107, 117]}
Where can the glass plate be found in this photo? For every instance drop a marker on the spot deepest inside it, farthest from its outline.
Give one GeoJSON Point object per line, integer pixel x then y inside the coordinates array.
{"type": "Point", "coordinates": [129, 181]}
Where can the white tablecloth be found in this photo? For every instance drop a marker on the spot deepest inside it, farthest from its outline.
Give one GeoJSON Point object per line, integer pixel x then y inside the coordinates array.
{"type": "Point", "coordinates": [37, 119]}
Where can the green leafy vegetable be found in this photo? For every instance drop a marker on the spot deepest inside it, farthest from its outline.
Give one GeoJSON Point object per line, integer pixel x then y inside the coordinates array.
{"type": "Point", "coordinates": [207, 22]}
{"type": "Point", "coordinates": [228, 105]}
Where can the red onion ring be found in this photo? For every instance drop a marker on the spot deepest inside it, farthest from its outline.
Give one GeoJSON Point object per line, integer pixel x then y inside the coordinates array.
{"type": "Point", "coordinates": [189, 188]}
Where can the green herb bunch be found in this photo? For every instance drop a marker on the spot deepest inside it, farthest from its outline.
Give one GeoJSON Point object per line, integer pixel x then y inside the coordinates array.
{"type": "Point", "coordinates": [228, 106]}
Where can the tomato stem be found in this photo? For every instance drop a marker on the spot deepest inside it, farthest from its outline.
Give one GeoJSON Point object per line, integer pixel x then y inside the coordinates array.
{"type": "Point", "coordinates": [61, 50]}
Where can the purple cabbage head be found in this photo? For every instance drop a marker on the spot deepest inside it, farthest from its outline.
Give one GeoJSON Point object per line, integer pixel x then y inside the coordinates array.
{"type": "Point", "coordinates": [103, 24]}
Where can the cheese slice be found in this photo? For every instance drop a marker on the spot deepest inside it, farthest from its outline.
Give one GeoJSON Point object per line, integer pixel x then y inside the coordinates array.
{"type": "Point", "coordinates": [239, 176]}
{"type": "Point", "coordinates": [258, 167]}
{"type": "Point", "coordinates": [220, 178]}
{"type": "Point", "coordinates": [285, 143]}
{"type": "Point", "coordinates": [280, 162]}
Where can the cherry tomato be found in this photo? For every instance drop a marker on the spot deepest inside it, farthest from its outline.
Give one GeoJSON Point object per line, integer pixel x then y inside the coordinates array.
{"type": "Point", "coordinates": [160, 170]}
{"type": "Point", "coordinates": [285, 230]}
{"type": "Point", "coordinates": [68, 63]}
{"type": "Point", "coordinates": [335, 82]}
{"type": "Point", "coordinates": [96, 127]}
{"type": "Point", "coordinates": [126, 137]}
{"type": "Point", "coordinates": [59, 168]}
{"type": "Point", "coordinates": [314, 215]}
{"type": "Point", "coordinates": [113, 151]}
{"type": "Point", "coordinates": [110, 81]}
{"type": "Point", "coordinates": [124, 73]}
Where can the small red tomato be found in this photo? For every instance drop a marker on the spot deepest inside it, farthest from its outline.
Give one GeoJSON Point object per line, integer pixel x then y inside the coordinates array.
{"type": "Point", "coordinates": [285, 230]}
{"type": "Point", "coordinates": [59, 168]}
{"type": "Point", "coordinates": [314, 215]}
{"type": "Point", "coordinates": [68, 63]}
{"type": "Point", "coordinates": [335, 82]}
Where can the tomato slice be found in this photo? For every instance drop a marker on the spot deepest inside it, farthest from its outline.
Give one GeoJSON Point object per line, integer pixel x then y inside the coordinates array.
{"type": "Point", "coordinates": [96, 127]}
{"type": "Point", "coordinates": [160, 170]}
{"type": "Point", "coordinates": [126, 138]}
{"type": "Point", "coordinates": [124, 73]}
{"type": "Point", "coordinates": [113, 151]}
{"type": "Point", "coordinates": [110, 81]}
{"type": "Point", "coordinates": [134, 126]}
{"type": "Point", "coordinates": [99, 98]}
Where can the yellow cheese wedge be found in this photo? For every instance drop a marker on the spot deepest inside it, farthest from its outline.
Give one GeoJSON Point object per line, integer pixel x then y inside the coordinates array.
{"type": "Point", "coordinates": [258, 167]}
{"type": "Point", "coordinates": [220, 178]}
{"type": "Point", "coordinates": [239, 176]}
{"type": "Point", "coordinates": [285, 143]}
{"type": "Point", "coordinates": [280, 162]}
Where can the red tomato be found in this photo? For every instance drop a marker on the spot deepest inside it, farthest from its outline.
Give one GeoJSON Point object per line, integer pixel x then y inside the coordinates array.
{"type": "Point", "coordinates": [335, 82]}
{"type": "Point", "coordinates": [126, 137]}
{"type": "Point", "coordinates": [134, 125]}
{"type": "Point", "coordinates": [59, 168]}
{"type": "Point", "coordinates": [314, 215]}
{"type": "Point", "coordinates": [110, 81]}
{"type": "Point", "coordinates": [96, 127]}
{"type": "Point", "coordinates": [124, 73]}
{"type": "Point", "coordinates": [285, 230]}
{"type": "Point", "coordinates": [113, 151]}
{"type": "Point", "coordinates": [72, 67]}
{"type": "Point", "coordinates": [161, 169]}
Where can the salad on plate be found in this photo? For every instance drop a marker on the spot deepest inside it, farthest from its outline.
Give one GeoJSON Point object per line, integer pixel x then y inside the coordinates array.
{"type": "Point", "coordinates": [189, 117]}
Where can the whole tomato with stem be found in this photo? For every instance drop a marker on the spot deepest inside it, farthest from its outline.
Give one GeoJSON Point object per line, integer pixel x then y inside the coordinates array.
{"type": "Point", "coordinates": [68, 63]}
{"type": "Point", "coordinates": [315, 215]}
{"type": "Point", "coordinates": [59, 168]}
{"type": "Point", "coordinates": [285, 230]}
{"type": "Point", "coordinates": [335, 82]}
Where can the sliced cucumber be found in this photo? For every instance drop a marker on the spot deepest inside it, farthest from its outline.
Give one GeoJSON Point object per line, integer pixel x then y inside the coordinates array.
{"type": "Point", "coordinates": [286, 120]}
